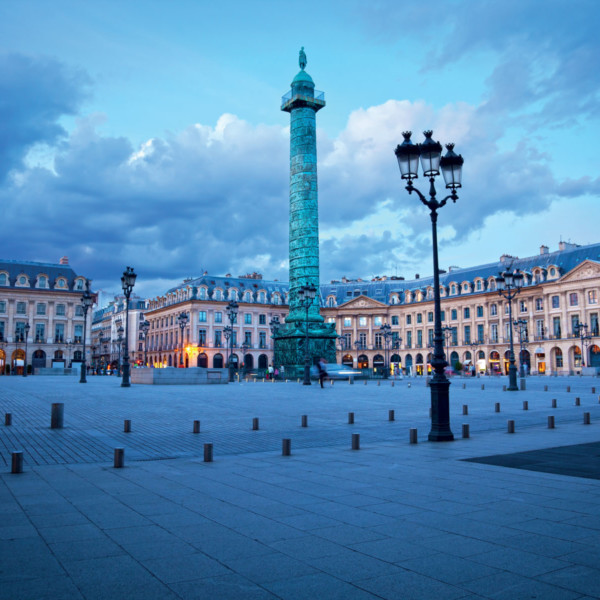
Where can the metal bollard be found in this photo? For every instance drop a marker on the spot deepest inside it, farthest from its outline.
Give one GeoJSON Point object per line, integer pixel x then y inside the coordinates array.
{"type": "Point", "coordinates": [331, 380]}
{"type": "Point", "coordinates": [351, 418]}
{"type": "Point", "coordinates": [413, 436]}
{"type": "Point", "coordinates": [127, 426]}
{"type": "Point", "coordinates": [553, 402]}
{"type": "Point", "coordinates": [350, 380]}
{"type": "Point", "coordinates": [525, 405]}
{"type": "Point", "coordinates": [483, 386]}
{"type": "Point", "coordinates": [409, 384]}
{"type": "Point", "coordinates": [356, 441]}
{"type": "Point", "coordinates": [208, 452]}
{"type": "Point", "coordinates": [286, 447]}
{"type": "Point", "coordinates": [17, 462]}
{"type": "Point", "coordinates": [119, 459]}
{"type": "Point", "coordinates": [545, 388]}
{"type": "Point", "coordinates": [57, 415]}
{"type": "Point", "coordinates": [464, 386]}
{"type": "Point", "coordinates": [551, 422]}
{"type": "Point", "coordinates": [8, 419]}
{"type": "Point", "coordinates": [391, 415]}
{"type": "Point", "coordinates": [255, 424]}
{"type": "Point", "coordinates": [196, 428]}
{"type": "Point", "coordinates": [365, 382]}
{"type": "Point", "coordinates": [392, 383]}
{"type": "Point", "coordinates": [497, 407]}
{"type": "Point", "coordinates": [511, 426]}
{"type": "Point", "coordinates": [465, 431]}
{"type": "Point", "coordinates": [577, 401]}
{"type": "Point", "coordinates": [586, 418]}
{"type": "Point", "coordinates": [568, 388]}
{"type": "Point", "coordinates": [378, 383]}
{"type": "Point", "coordinates": [503, 388]}
{"type": "Point", "coordinates": [304, 421]}
{"type": "Point", "coordinates": [593, 390]}
{"type": "Point", "coordinates": [465, 409]}
{"type": "Point", "coordinates": [523, 384]}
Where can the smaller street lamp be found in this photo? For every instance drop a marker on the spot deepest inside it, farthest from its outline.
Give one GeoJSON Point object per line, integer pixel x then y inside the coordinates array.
{"type": "Point", "coordinates": [386, 330]}
{"type": "Point", "coordinates": [232, 311]}
{"type": "Point", "coordinates": [581, 331]}
{"type": "Point", "coordinates": [86, 303]}
{"type": "Point", "coordinates": [120, 331]}
{"type": "Point", "coordinates": [145, 327]}
{"type": "Point", "coordinates": [307, 295]}
{"type": "Point", "coordinates": [521, 327]}
{"type": "Point", "coordinates": [183, 319]}
{"type": "Point", "coordinates": [127, 283]}
{"type": "Point", "coordinates": [474, 344]}
{"type": "Point", "coordinates": [243, 349]}
{"type": "Point", "coordinates": [357, 345]}
{"type": "Point", "coordinates": [27, 328]}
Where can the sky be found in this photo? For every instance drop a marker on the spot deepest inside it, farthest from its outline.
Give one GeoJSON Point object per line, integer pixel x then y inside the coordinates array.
{"type": "Point", "coordinates": [149, 133]}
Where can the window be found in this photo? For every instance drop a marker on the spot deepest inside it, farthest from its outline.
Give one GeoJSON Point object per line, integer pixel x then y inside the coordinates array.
{"type": "Point", "coordinates": [409, 339]}
{"type": "Point", "coordinates": [523, 306]}
{"type": "Point", "coordinates": [59, 333]}
{"type": "Point", "coordinates": [40, 333]}
{"type": "Point", "coordinates": [20, 332]}
{"type": "Point", "coordinates": [218, 339]}
{"type": "Point", "coordinates": [330, 319]}
{"type": "Point", "coordinates": [60, 310]}
{"type": "Point", "coordinates": [248, 338]}
{"type": "Point", "coordinates": [478, 285]}
{"type": "Point", "coordinates": [467, 334]}
{"type": "Point", "coordinates": [2, 306]}
{"type": "Point", "coordinates": [480, 311]}
{"type": "Point", "coordinates": [559, 358]}
{"type": "Point", "coordinates": [574, 323]}
{"type": "Point", "coordinates": [467, 313]}
{"type": "Point", "coordinates": [573, 299]}
{"type": "Point", "coordinates": [3, 279]}
{"type": "Point", "coordinates": [556, 327]}
{"type": "Point", "coordinates": [362, 321]}
{"type": "Point", "coordinates": [42, 282]}
{"type": "Point", "coordinates": [218, 316]}
{"type": "Point", "coordinates": [419, 318]}
{"type": "Point", "coordinates": [378, 340]}
{"type": "Point", "coordinates": [262, 319]}
{"type": "Point", "coordinates": [594, 323]}
{"type": "Point", "coordinates": [539, 304]}
{"type": "Point", "coordinates": [22, 280]}
{"type": "Point", "coordinates": [202, 316]}
{"type": "Point", "coordinates": [202, 337]}
{"type": "Point", "coordinates": [430, 317]}
{"type": "Point", "coordinates": [79, 284]}
{"type": "Point", "coordinates": [262, 340]}
{"type": "Point", "coordinates": [277, 300]}
{"type": "Point", "coordinates": [234, 339]}
{"type": "Point", "coordinates": [78, 334]}
{"type": "Point", "coordinates": [493, 310]}
{"type": "Point", "coordinates": [395, 320]}
{"type": "Point", "coordinates": [40, 309]}
{"type": "Point", "coordinates": [430, 337]}
{"type": "Point", "coordinates": [79, 310]}
{"type": "Point", "coordinates": [539, 329]}
{"type": "Point", "coordinates": [378, 321]}
{"type": "Point", "coordinates": [21, 308]}
{"type": "Point", "coordinates": [61, 283]}
{"type": "Point", "coordinates": [419, 338]}
{"type": "Point", "coordinates": [480, 333]}
{"type": "Point", "coordinates": [362, 338]}
{"type": "Point", "coordinates": [454, 334]}
{"type": "Point", "coordinates": [248, 318]}
{"type": "Point", "coordinates": [443, 315]}
{"type": "Point", "coordinates": [262, 298]}
{"type": "Point", "coordinates": [555, 302]}
{"type": "Point", "coordinates": [453, 314]}
{"type": "Point", "coordinates": [347, 322]}
{"type": "Point", "coordinates": [506, 308]}
{"type": "Point", "coordinates": [592, 297]}
{"type": "Point", "coordinates": [408, 319]}
{"type": "Point", "coordinates": [494, 333]}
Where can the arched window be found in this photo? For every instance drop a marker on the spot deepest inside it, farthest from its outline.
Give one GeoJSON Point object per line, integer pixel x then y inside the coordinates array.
{"type": "Point", "coordinates": [3, 279]}
{"type": "Point", "coordinates": [262, 297]}
{"type": "Point", "coordinates": [218, 295]}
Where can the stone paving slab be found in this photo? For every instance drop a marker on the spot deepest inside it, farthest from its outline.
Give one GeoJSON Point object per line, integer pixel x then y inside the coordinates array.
{"type": "Point", "coordinates": [392, 520]}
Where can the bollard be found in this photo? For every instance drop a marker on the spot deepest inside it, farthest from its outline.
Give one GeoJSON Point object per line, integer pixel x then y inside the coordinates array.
{"type": "Point", "coordinates": [392, 383]}
{"type": "Point", "coordinates": [497, 407]}
{"type": "Point", "coordinates": [464, 386]}
{"type": "Point", "coordinates": [551, 422]}
{"type": "Point", "coordinates": [119, 460]}
{"type": "Point", "coordinates": [586, 418]}
{"type": "Point", "coordinates": [553, 402]}
{"type": "Point", "coordinates": [255, 424]}
{"type": "Point", "coordinates": [286, 447]}
{"type": "Point", "coordinates": [511, 426]}
{"type": "Point", "coordinates": [525, 405]}
{"type": "Point", "coordinates": [577, 401]}
{"type": "Point", "coordinates": [351, 418]}
{"type": "Point", "coordinates": [127, 426]}
{"type": "Point", "coordinates": [331, 380]}
{"type": "Point", "coordinates": [351, 380]}
{"type": "Point", "coordinates": [568, 388]}
{"type": "Point", "coordinates": [465, 409]}
{"type": "Point", "coordinates": [523, 384]}
{"type": "Point", "coordinates": [356, 441]}
{"type": "Point", "coordinates": [57, 415]}
{"type": "Point", "coordinates": [413, 436]}
{"type": "Point", "coordinates": [391, 415]}
{"type": "Point", "coordinates": [483, 386]}
{"type": "Point", "coordinates": [365, 382]}
{"type": "Point", "coordinates": [304, 421]}
{"type": "Point", "coordinates": [545, 388]}
{"type": "Point", "coordinates": [409, 384]}
{"type": "Point", "coordinates": [465, 431]}
{"type": "Point", "coordinates": [17, 462]}
{"type": "Point", "coordinates": [503, 388]}
{"type": "Point", "coordinates": [196, 428]}
{"type": "Point", "coordinates": [208, 452]}
{"type": "Point", "coordinates": [593, 390]}
{"type": "Point", "coordinates": [8, 419]}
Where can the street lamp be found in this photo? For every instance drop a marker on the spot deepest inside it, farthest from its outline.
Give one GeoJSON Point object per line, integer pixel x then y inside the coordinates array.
{"type": "Point", "coordinates": [307, 295]}
{"type": "Point", "coordinates": [27, 328]}
{"type": "Point", "coordinates": [120, 331]}
{"type": "Point", "coordinates": [429, 152]}
{"type": "Point", "coordinates": [474, 344]}
{"type": "Point", "coordinates": [127, 283]}
{"type": "Point", "coordinates": [509, 284]}
{"type": "Point", "coordinates": [386, 330]}
{"type": "Point", "coordinates": [86, 303]}
{"type": "Point", "coordinates": [357, 345]}
{"type": "Point", "coordinates": [521, 326]}
{"type": "Point", "coordinates": [145, 327]}
{"type": "Point", "coordinates": [232, 311]}
{"type": "Point", "coordinates": [182, 320]}
{"type": "Point", "coordinates": [580, 330]}
{"type": "Point", "coordinates": [243, 349]}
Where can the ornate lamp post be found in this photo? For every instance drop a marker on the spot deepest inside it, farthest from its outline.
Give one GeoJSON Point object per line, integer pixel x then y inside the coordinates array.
{"type": "Point", "coordinates": [86, 304]}
{"type": "Point", "coordinates": [145, 327]}
{"type": "Point", "coordinates": [521, 326]}
{"type": "Point", "coordinates": [232, 311]}
{"type": "Point", "coordinates": [243, 349]}
{"type": "Point", "coordinates": [127, 283]}
{"type": "Point", "coordinates": [306, 297]}
{"type": "Point", "coordinates": [27, 328]}
{"type": "Point", "coordinates": [357, 345]}
{"type": "Point", "coordinates": [581, 331]}
{"type": "Point", "coordinates": [386, 330]}
{"type": "Point", "coordinates": [474, 344]}
{"type": "Point", "coordinates": [509, 284]}
{"type": "Point", "coordinates": [183, 319]}
{"type": "Point", "coordinates": [429, 152]}
{"type": "Point", "coordinates": [120, 331]}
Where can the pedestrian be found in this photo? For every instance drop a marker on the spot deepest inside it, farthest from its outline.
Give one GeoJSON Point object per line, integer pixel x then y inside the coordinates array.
{"type": "Point", "coordinates": [322, 367]}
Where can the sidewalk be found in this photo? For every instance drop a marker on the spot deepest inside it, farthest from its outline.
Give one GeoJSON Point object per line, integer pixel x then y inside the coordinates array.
{"type": "Point", "coordinates": [391, 520]}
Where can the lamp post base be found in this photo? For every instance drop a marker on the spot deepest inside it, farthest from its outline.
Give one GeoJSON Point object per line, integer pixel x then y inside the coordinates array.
{"type": "Point", "coordinates": [512, 379]}
{"type": "Point", "coordinates": [440, 411]}
{"type": "Point", "coordinates": [306, 375]}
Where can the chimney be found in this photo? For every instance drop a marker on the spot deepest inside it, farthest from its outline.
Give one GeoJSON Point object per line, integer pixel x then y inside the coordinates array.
{"type": "Point", "coordinates": [417, 276]}
{"type": "Point", "coordinates": [544, 250]}
{"type": "Point", "coordinates": [64, 260]}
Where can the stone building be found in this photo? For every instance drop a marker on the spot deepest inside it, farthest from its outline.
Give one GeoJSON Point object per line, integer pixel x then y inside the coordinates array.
{"type": "Point", "coordinates": [47, 298]}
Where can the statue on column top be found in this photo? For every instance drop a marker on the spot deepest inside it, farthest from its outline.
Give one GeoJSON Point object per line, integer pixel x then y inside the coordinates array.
{"type": "Point", "coordinates": [302, 59]}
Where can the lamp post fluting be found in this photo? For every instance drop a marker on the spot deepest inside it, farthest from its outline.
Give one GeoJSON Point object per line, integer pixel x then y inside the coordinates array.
{"type": "Point", "coordinates": [306, 297]}
{"type": "Point", "coordinates": [27, 328]}
{"type": "Point", "coordinates": [183, 319]}
{"type": "Point", "coordinates": [232, 311]}
{"type": "Point", "coordinates": [509, 284]}
{"type": "Point", "coordinates": [429, 152]}
{"type": "Point", "coordinates": [127, 282]}
{"type": "Point", "coordinates": [86, 304]}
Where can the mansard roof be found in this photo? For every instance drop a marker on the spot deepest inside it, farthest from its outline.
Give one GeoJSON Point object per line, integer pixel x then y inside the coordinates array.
{"type": "Point", "coordinates": [240, 283]}
{"type": "Point", "coordinates": [32, 270]}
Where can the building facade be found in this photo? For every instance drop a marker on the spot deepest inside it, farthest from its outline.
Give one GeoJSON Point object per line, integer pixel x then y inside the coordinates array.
{"type": "Point", "coordinates": [41, 316]}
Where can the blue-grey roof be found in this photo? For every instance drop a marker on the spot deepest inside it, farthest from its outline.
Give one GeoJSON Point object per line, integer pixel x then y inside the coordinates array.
{"type": "Point", "coordinates": [14, 268]}
{"type": "Point", "coordinates": [242, 284]}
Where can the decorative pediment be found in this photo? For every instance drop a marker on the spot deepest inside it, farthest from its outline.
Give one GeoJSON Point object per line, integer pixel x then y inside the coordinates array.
{"type": "Point", "coordinates": [362, 302]}
{"type": "Point", "coordinates": [588, 269]}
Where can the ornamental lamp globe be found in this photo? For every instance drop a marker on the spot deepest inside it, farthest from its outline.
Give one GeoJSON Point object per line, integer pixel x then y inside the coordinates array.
{"type": "Point", "coordinates": [431, 153]}
{"type": "Point", "coordinates": [518, 279]}
{"type": "Point", "coordinates": [500, 282]}
{"type": "Point", "coordinates": [509, 278]}
{"type": "Point", "coordinates": [311, 292]}
{"type": "Point", "coordinates": [407, 154]}
{"type": "Point", "coordinates": [128, 280]}
{"type": "Point", "coordinates": [451, 165]}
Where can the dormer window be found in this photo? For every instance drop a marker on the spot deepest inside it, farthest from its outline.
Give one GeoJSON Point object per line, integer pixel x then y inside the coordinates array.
{"type": "Point", "coordinates": [42, 281]}
{"type": "Point", "coordinates": [478, 285]}
{"type": "Point", "coordinates": [61, 283]}
{"type": "Point", "coordinates": [79, 284]}
{"type": "Point", "coordinates": [22, 280]}
{"type": "Point", "coordinates": [3, 279]}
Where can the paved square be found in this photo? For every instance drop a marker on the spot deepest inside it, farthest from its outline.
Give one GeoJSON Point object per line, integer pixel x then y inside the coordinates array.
{"type": "Point", "coordinates": [391, 520]}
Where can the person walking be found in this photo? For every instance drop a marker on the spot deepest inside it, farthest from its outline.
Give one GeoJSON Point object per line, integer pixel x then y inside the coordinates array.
{"type": "Point", "coordinates": [321, 366]}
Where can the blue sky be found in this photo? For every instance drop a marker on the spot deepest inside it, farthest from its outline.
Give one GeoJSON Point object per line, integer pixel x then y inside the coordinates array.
{"type": "Point", "coordinates": [149, 133]}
